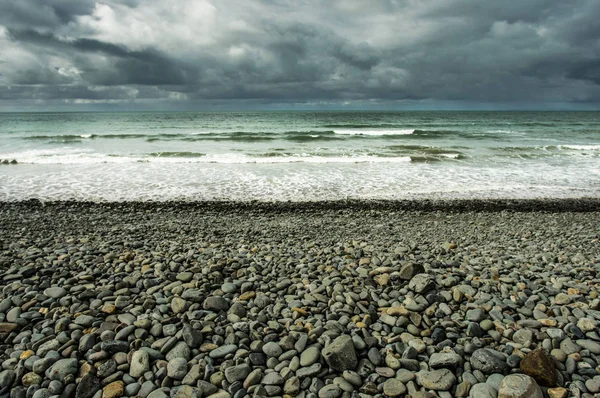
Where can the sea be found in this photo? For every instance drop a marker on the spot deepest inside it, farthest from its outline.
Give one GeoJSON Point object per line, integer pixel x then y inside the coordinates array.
{"type": "Point", "coordinates": [298, 156]}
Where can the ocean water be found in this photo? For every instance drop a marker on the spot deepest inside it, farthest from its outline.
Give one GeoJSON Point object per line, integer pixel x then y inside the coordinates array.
{"type": "Point", "coordinates": [299, 156]}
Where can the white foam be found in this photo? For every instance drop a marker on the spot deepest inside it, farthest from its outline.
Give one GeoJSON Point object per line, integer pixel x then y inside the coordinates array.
{"type": "Point", "coordinates": [293, 182]}
{"type": "Point", "coordinates": [503, 131]}
{"type": "Point", "coordinates": [450, 155]}
{"type": "Point", "coordinates": [60, 157]}
{"type": "Point", "coordinates": [374, 132]}
{"type": "Point", "coordinates": [86, 135]}
{"type": "Point", "coordinates": [581, 147]}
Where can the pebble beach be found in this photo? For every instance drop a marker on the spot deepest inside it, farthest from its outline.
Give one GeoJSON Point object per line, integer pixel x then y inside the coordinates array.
{"type": "Point", "coordinates": [417, 299]}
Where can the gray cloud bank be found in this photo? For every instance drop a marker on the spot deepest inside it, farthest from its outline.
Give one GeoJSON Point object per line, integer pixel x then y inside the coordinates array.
{"type": "Point", "coordinates": [190, 53]}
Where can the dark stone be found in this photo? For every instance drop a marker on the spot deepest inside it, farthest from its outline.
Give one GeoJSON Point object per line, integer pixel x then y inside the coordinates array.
{"type": "Point", "coordinates": [114, 346]}
{"type": "Point", "coordinates": [88, 386]}
{"type": "Point", "coordinates": [489, 361]}
{"type": "Point", "coordinates": [541, 366]}
{"type": "Point", "coordinates": [438, 335]}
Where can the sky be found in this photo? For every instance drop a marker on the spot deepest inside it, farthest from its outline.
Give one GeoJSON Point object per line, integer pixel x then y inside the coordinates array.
{"type": "Point", "coordinates": [299, 54]}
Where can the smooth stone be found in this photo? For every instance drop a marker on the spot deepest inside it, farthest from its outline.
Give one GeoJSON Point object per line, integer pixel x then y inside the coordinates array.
{"type": "Point", "coordinates": [61, 368]}
{"type": "Point", "coordinates": [393, 388]}
{"type": "Point", "coordinates": [159, 393]}
{"type": "Point", "coordinates": [215, 303]}
{"type": "Point", "coordinates": [181, 350]}
{"type": "Point", "coordinates": [405, 375]}
{"type": "Point", "coordinates": [330, 391]}
{"type": "Point", "coordinates": [140, 364]}
{"type": "Point", "coordinates": [439, 380]}
{"type": "Point", "coordinates": [292, 386]}
{"type": "Point", "coordinates": [272, 349]}
{"type": "Point", "coordinates": [219, 394]}
{"type": "Point", "coordinates": [482, 390]}
{"type": "Point", "coordinates": [228, 287]}
{"type": "Point", "coordinates": [522, 336]}
{"type": "Point", "coordinates": [519, 386]}
{"type": "Point", "coordinates": [177, 368]}
{"type": "Point", "coordinates": [55, 292]}
{"type": "Point", "coordinates": [113, 390]}
{"type": "Point", "coordinates": [494, 380]}
{"type": "Point", "coordinates": [309, 371]}
{"type": "Point", "coordinates": [272, 378]}
{"type": "Point", "coordinates": [569, 347]}
{"type": "Point", "coordinates": [85, 320]}
{"type": "Point", "coordinates": [7, 377]}
{"type": "Point", "coordinates": [590, 345]}
{"type": "Point", "coordinates": [593, 385]}
{"type": "Point", "coordinates": [237, 373]}
{"type": "Point", "coordinates": [223, 351]}
{"type": "Point", "coordinates": [475, 315]}
{"type": "Point", "coordinates": [444, 360]}
{"type": "Point", "coordinates": [310, 356]}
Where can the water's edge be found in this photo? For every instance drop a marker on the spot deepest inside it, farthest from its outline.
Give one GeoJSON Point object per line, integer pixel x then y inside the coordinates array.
{"type": "Point", "coordinates": [424, 205]}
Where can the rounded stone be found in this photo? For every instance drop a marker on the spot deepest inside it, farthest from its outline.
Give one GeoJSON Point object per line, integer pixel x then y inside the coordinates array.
{"type": "Point", "coordinates": [519, 386]}
{"type": "Point", "coordinates": [272, 349]}
{"type": "Point", "coordinates": [394, 388]}
{"type": "Point", "coordinates": [177, 368]}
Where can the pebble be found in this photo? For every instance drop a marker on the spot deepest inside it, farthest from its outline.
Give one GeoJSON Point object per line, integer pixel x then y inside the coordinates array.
{"type": "Point", "coordinates": [340, 354]}
{"type": "Point", "coordinates": [483, 390]}
{"type": "Point", "coordinates": [394, 388]}
{"type": "Point", "coordinates": [272, 349]}
{"type": "Point", "coordinates": [488, 361]}
{"type": "Point", "coordinates": [439, 380]}
{"type": "Point", "coordinates": [310, 356]}
{"type": "Point", "coordinates": [167, 301]}
{"type": "Point", "coordinates": [55, 292]}
{"type": "Point", "coordinates": [177, 368]}
{"type": "Point", "coordinates": [140, 364]}
{"type": "Point", "coordinates": [519, 386]}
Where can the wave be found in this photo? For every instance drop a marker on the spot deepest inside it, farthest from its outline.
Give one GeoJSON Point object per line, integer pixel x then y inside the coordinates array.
{"type": "Point", "coordinates": [362, 126]}
{"type": "Point", "coordinates": [549, 148]}
{"type": "Point", "coordinates": [580, 147]}
{"type": "Point", "coordinates": [426, 149]}
{"type": "Point", "coordinates": [375, 132]}
{"type": "Point", "coordinates": [193, 157]}
{"type": "Point", "coordinates": [61, 137]}
{"type": "Point", "coordinates": [176, 154]}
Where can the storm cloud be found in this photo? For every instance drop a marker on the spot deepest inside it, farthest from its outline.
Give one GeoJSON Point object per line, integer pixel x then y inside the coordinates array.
{"type": "Point", "coordinates": [397, 53]}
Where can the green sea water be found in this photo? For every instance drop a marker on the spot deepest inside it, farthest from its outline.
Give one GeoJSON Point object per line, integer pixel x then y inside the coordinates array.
{"type": "Point", "coordinates": [299, 155]}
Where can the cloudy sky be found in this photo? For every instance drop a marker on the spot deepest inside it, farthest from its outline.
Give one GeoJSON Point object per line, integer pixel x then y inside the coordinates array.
{"type": "Point", "coordinates": [296, 54]}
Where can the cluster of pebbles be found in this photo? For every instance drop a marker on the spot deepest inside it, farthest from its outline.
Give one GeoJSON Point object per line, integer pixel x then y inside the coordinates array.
{"type": "Point", "coordinates": [174, 300]}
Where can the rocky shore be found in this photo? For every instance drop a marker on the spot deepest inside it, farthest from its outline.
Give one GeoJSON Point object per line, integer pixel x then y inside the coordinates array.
{"type": "Point", "coordinates": [346, 299]}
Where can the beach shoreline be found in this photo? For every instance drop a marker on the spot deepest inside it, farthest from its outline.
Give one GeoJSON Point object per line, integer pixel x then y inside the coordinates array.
{"type": "Point", "coordinates": [329, 299]}
{"type": "Point", "coordinates": [558, 205]}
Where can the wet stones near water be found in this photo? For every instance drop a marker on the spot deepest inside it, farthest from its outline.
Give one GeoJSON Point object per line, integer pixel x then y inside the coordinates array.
{"type": "Point", "coordinates": [156, 303]}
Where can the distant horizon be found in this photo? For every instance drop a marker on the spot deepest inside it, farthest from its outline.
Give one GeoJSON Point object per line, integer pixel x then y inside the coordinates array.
{"type": "Point", "coordinates": [333, 110]}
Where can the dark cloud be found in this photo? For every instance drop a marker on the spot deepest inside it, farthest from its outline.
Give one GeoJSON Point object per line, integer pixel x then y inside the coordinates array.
{"type": "Point", "coordinates": [143, 67]}
{"type": "Point", "coordinates": [280, 51]}
{"type": "Point", "coordinates": [42, 13]}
